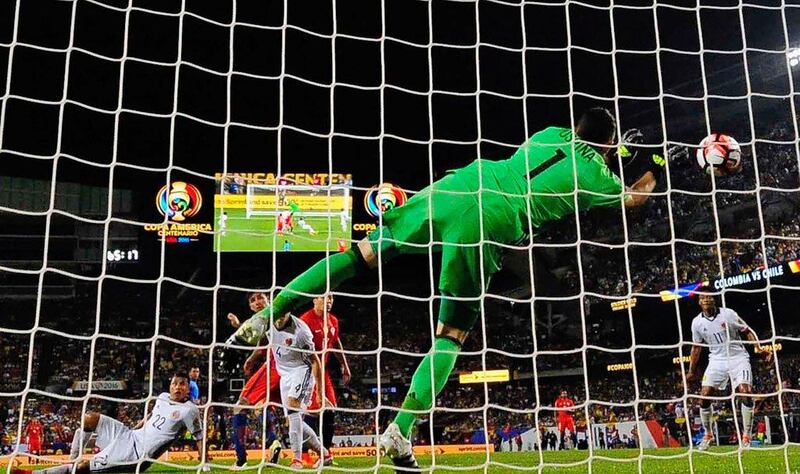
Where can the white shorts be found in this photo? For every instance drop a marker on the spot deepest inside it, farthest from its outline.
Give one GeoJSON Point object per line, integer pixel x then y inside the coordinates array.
{"type": "Point", "coordinates": [297, 384]}
{"type": "Point", "coordinates": [117, 445]}
{"type": "Point", "coordinates": [737, 370]}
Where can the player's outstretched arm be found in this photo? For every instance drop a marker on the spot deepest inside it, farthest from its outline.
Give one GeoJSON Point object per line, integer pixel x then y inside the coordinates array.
{"type": "Point", "coordinates": [640, 191]}
{"type": "Point", "coordinates": [750, 335]}
{"type": "Point", "coordinates": [753, 337]}
{"type": "Point", "coordinates": [654, 165]}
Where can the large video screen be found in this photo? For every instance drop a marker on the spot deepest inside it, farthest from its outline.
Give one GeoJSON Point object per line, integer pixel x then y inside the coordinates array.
{"type": "Point", "coordinates": [257, 212]}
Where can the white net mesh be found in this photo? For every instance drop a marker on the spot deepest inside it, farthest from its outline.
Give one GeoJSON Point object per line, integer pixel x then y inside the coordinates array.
{"type": "Point", "coordinates": [106, 291]}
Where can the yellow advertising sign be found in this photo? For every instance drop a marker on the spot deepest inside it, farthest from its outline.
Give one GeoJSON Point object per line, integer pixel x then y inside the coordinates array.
{"type": "Point", "coordinates": [356, 451]}
{"type": "Point", "coordinates": [618, 367]}
{"type": "Point", "coordinates": [320, 202]}
{"type": "Point", "coordinates": [769, 348]}
{"type": "Point", "coordinates": [480, 376]}
{"type": "Point", "coordinates": [678, 360]}
{"type": "Point", "coordinates": [623, 304]}
{"type": "Point", "coordinates": [295, 178]}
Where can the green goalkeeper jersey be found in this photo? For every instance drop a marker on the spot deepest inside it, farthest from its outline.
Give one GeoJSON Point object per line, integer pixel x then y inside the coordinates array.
{"type": "Point", "coordinates": [539, 181]}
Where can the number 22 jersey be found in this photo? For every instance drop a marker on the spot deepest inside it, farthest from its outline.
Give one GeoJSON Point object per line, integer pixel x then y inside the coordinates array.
{"type": "Point", "coordinates": [167, 421]}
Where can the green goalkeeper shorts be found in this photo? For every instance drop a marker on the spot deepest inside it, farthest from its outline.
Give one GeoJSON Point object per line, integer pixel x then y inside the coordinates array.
{"type": "Point", "coordinates": [444, 217]}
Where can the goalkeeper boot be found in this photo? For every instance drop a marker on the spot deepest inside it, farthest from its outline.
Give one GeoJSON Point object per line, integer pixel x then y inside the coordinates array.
{"type": "Point", "coordinates": [706, 442]}
{"type": "Point", "coordinates": [251, 331]}
{"type": "Point", "coordinates": [398, 447]}
{"type": "Point", "coordinates": [746, 441]}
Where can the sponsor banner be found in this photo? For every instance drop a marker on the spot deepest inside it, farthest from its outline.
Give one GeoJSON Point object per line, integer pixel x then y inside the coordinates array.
{"type": "Point", "coordinates": [454, 449]}
{"type": "Point", "coordinates": [100, 385]}
{"type": "Point", "coordinates": [269, 202]}
{"type": "Point", "coordinates": [745, 278]}
{"type": "Point", "coordinates": [732, 281]}
{"type": "Point", "coordinates": [480, 376]}
{"type": "Point", "coordinates": [618, 367]}
{"type": "Point", "coordinates": [769, 348]}
{"type": "Point", "coordinates": [623, 304]}
{"type": "Point", "coordinates": [368, 451]}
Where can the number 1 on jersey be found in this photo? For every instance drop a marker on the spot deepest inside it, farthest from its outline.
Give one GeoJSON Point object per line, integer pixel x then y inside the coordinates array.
{"type": "Point", "coordinates": [543, 166]}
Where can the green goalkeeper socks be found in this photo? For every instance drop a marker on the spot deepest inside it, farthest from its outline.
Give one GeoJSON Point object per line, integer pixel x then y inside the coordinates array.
{"type": "Point", "coordinates": [314, 281]}
{"type": "Point", "coordinates": [420, 395]}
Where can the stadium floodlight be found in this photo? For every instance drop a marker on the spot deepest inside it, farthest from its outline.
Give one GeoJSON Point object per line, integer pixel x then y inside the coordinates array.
{"type": "Point", "coordinates": [794, 57]}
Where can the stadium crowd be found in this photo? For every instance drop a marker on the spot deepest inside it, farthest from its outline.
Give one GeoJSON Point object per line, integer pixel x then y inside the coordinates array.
{"type": "Point", "coordinates": [466, 410]}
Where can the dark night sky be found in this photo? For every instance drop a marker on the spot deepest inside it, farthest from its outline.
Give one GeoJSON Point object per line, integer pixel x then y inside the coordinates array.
{"type": "Point", "coordinates": [359, 102]}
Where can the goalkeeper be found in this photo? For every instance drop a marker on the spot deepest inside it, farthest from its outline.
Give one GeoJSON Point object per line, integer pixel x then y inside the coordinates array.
{"type": "Point", "coordinates": [463, 215]}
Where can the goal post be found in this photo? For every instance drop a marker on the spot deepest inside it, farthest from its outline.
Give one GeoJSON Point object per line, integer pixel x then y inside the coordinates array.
{"type": "Point", "coordinates": [310, 200]}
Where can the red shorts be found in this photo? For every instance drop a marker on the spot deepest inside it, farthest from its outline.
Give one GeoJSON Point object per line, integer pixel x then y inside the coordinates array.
{"type": "Point", "coordinates": [330, 394]}
{"type": "Point", "coordinates": [255, 390]}
{"type": "Point", "coordinates": [34, 445]}
{"type": "Point", "coordinates": [566, 423]}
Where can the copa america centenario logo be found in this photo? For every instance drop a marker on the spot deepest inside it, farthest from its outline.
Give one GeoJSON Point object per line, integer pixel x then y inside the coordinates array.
{"type": "Point", "coordinates": [179, 200]}
{"type": "Point", "coordinates": [384, 197]}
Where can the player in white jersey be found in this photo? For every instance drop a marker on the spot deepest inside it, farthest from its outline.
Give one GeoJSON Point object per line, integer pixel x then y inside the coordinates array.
{"type": "Point", "coordinates": [223, 223]}
{"type": "Point", "coordinates": [121, 447]}
{"type": "Point", "coordinates": [721, 329]}
{"type": "Point", "coordinates": [301, 372]}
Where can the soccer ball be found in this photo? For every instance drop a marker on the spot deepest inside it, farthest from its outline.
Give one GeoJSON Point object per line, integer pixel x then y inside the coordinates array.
{"type": "Point", "coordinates": [719, 153]}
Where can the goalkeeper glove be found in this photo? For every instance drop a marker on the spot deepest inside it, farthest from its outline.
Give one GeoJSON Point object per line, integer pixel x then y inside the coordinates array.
{"type": "Point", "coordinates": [656, 164]}
{"type": "Point", "coordinates": [251, 331]}
{"type": "Point", "coordinates": [634, 148]}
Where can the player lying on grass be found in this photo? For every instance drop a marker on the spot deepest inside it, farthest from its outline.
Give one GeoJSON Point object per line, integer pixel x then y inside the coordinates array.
{"type": "Point", "coordinates": [728, 360]}
{"type": "Point", "coordinates": [464, 214]}
{"type": "Point", "coordinates": [122, 448]}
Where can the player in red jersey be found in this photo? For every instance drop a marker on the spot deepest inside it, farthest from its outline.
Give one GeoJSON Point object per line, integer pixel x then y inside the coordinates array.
{"type": "Point", "coordinates": [324, 327]}
{"type": "Point", "coordinates": [34, 431]}
{"type": "Point", "coordinates": [565, 421]}
{"type": "Point", "coordinates": [262, 387]}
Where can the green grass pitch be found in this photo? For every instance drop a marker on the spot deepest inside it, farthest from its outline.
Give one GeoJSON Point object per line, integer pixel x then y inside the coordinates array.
{"type": "Point", "coordinates": [257, 234]}
{"type": "Point", "coordinates": [618, 461]}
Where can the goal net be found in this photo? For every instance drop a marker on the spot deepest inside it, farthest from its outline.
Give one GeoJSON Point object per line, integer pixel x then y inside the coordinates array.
{"type": "Point", "coordinates": [142, 151]}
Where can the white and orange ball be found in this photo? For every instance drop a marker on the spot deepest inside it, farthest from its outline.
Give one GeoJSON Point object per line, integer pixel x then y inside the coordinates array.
{"type": "Point", "coordinates": [720, 154]}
